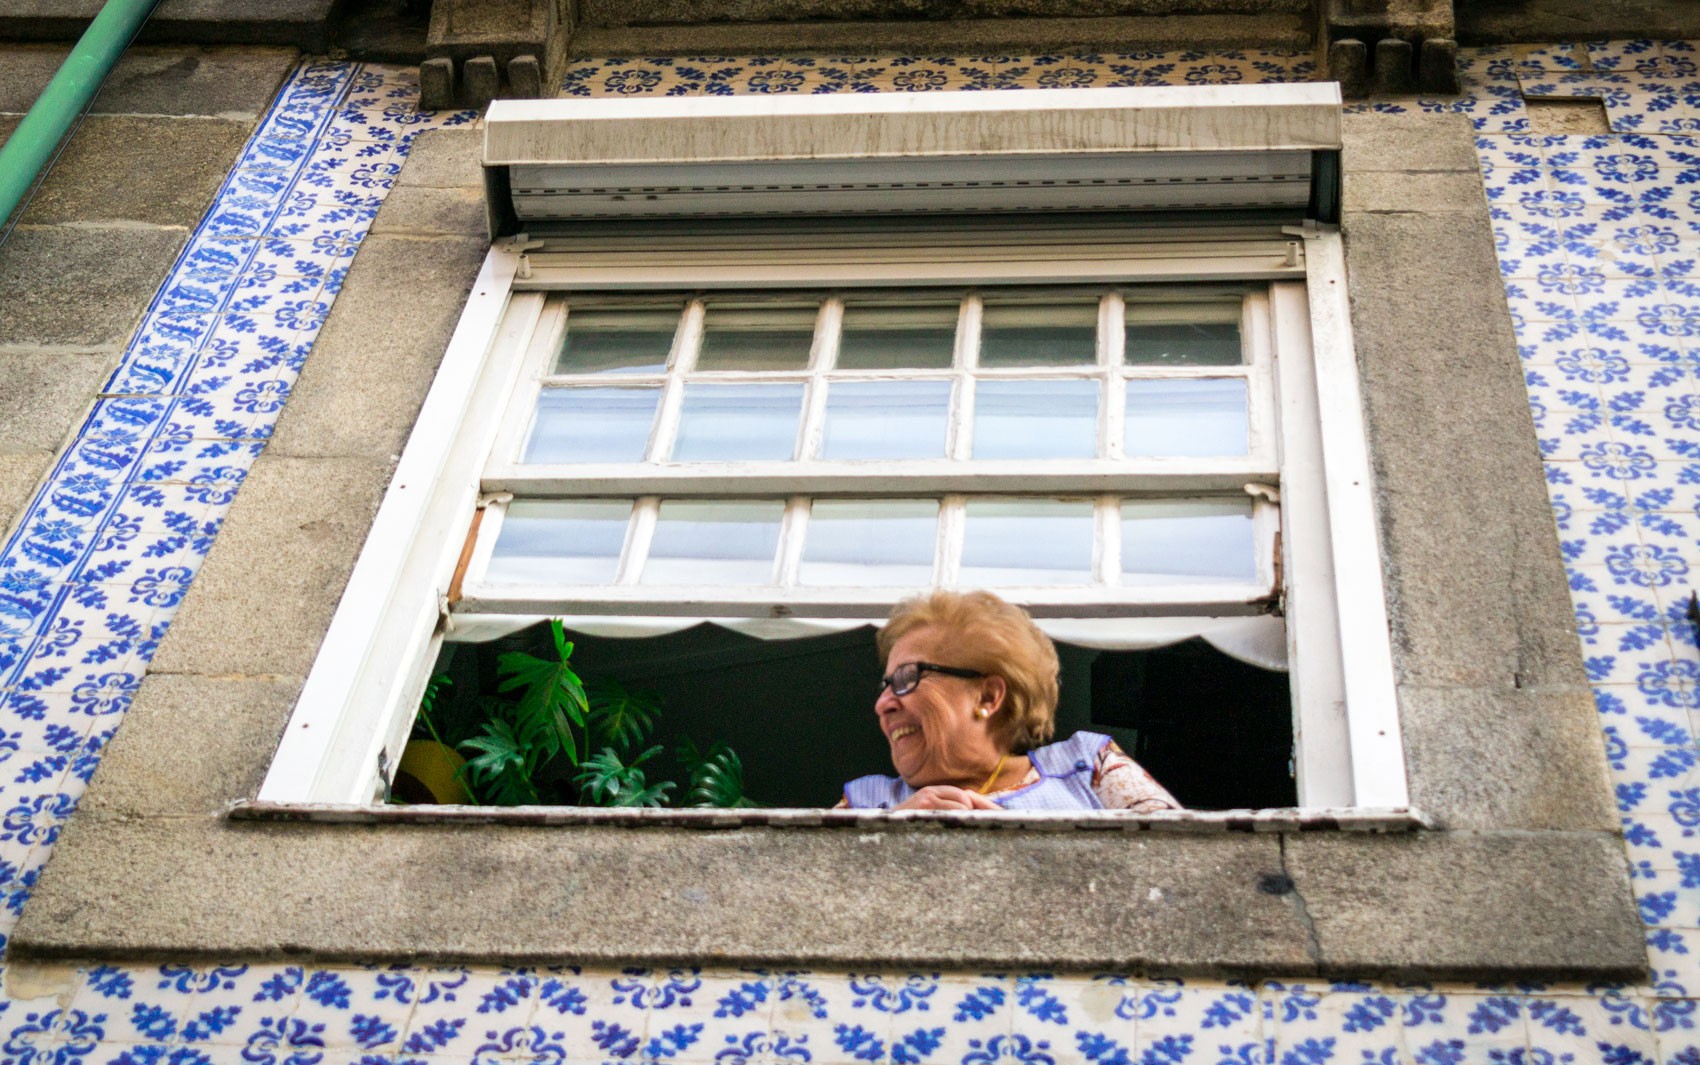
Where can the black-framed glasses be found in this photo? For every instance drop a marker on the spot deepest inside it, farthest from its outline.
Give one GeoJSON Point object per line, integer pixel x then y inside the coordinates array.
{"type": "Point", "coordinates": [907, 677]}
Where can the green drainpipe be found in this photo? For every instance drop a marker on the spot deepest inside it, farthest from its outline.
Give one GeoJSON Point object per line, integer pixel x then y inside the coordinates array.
{"type": "Point", "coordinates": [32, 144]}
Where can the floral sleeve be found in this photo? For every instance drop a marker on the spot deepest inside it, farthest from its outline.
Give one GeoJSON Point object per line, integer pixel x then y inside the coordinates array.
{"type": "Point", "coordinates": [1122, 784]}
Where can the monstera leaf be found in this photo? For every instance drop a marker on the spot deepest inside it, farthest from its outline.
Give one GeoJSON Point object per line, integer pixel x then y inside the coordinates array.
{"type": "Point", "coordinates": [717, 776]}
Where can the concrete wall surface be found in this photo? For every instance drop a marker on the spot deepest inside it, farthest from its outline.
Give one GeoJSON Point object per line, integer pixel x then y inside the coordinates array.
{"type": "Point", "coordinates": [1592, 242]}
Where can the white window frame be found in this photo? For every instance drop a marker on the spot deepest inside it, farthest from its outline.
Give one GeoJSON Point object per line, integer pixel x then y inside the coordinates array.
{"type": "Point", "coordinates": [356, 709]}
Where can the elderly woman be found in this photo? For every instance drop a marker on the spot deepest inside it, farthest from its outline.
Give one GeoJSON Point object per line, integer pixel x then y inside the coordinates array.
{"type": "Point", "coordinates": [967, 704]}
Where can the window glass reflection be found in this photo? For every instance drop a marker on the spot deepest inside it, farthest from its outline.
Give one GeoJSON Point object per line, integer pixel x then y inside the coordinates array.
{"type": "Point", "coordinates": [757, 337]}
{"type": "Point", "coordinates": [714, 542]}
{"type": "Point", "coordinates": [1182, 334]}
{"type": "Point", "coordinates": [1026, 541]}
{"type": "Point", "coordinates": [886, 419]}
{"type": "Point", "coordinates": [617, 340]}
{"type": "Point", "coordinates": [591, 425]}
{"type": "Point", "coordinates": [1193, 418]}
{"type": "Point", "coordinates": [1035, 419]}
{"type": "Point", "coordinates": [738, 422]}
{"type": "Point", "coordinates": [1039, 334]}
{"type": "Point", "coordinates": [870, 542]}
{"type": "Point", "coordinates": [897, 336]}
{"type": "Point", "coordinates": [558, 542]}
{"type": "Point", "coordinates": [1187, 542]}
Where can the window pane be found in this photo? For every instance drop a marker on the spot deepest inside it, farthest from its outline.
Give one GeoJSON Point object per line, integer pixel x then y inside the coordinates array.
{"type": "Point", "coordinates": [738, 422]}
{"type": "Point", "coordinates": [1039, 334]}
{"type": "Point", "coordinates": [714, 542]}
{"type": "Point", "coordinates": [1022, 541]}
{"type": "Point", "coordinates": [897, 336]}
{"type": "Point", "coordinates": [592, 425]}
{"type": "Point", "coordinates": [1203, 334]}
{"type": "Point", "coordinates": [886, 419]}
{"type": "Point", "coordinates": [870, 542]}
{"type": "Point", "coordinates": [617, 340]}
{"type": "Point", "coordinates": [757, 337]}
{"type": "Point", "coordinates": [1187, 542]}
{"type": "Point", "coordinates": [1035, 419]}
{"type": "Point", "coordinates": [1187, 418]}
{"type": "Point", "coordinates": [560, 543]}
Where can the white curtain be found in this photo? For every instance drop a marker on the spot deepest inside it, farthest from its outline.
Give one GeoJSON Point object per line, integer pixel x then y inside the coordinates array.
{"type": "Point", "coordinates": [1260, 641]}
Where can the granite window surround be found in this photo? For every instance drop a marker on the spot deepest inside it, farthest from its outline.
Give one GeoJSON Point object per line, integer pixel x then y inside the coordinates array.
{"type": "Point", "coordinates": [1502, 748]}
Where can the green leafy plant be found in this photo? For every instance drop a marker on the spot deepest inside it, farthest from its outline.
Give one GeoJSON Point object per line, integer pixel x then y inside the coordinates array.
{"type": "Point", "coordinates": [717, 776]}
{"type": "Point", "coordinates": [545, 736]}
{"type": "Point", "coordinates": [604, 780]}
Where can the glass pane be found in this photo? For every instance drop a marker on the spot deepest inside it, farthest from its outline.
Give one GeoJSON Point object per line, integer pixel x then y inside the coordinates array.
{"type": "Point", "coordinates": [560, 543]}
{"type": "Point", "coordinates": [592, 425]}
{"type": "Point", "coordinates": [738, 422]}
{"type": "Point", "coordinates": [1026, 541]}
{"type": "Point", "coordinates": [893, 336]}
{"type": "Point", "coordinates": [721, 542]}
{"type": "Point", "coordinates": [1187, 542]}
{"type": "Point", "coordinates": [1035, 419]}
{"type": "Point", "coordinates": [1039, 334]}
{"type": "Point", "coordinates": [870, 542]}
{"type": "Point", "coordinates": [617, 340]}
{"type": "Point", "coordinates": [1186, 418]}
{"type": "Point", "coordinates": [886, 419]}
{"type": "Point", "coordinates": [757, 337]}
{"type": "Point", "coordinates": [1202, 334]}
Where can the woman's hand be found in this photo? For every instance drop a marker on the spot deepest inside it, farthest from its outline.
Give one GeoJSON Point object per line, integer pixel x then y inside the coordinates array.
{"type": "Point", "coordinates": [946, 797]}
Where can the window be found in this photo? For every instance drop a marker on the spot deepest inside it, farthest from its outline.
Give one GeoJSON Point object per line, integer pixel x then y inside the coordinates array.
{"type": "Point", "coordinates": [782, 426]}
{"type": "Point", "coordinates": [822, 454]}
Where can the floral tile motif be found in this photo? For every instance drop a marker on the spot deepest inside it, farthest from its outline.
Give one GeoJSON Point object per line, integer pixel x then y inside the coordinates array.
{"type": "Point", "coordinates": [781, 75]}
{"type": "Point", "coordinates": [1600, 251]}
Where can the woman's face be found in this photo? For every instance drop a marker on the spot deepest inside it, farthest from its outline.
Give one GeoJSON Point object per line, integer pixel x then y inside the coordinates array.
{"type": "Point", "coordinates": [934, 733]}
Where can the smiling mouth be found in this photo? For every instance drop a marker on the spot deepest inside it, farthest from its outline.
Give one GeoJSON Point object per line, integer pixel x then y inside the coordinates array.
{"type": "Point", "coordinates": [906, 730]}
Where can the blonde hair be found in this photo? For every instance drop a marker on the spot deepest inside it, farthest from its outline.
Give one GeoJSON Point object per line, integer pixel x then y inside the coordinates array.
{"type": "Point", "coordinates": [985, 633]}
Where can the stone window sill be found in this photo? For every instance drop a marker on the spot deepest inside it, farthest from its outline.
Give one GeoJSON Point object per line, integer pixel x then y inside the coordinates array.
{"type": "Point", "coordinates": [1202, 822]}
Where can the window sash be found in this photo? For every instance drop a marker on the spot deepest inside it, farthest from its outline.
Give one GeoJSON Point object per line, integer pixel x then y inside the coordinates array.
{"type": "Point", "coordinates": [508, 473]}
{"type": "Point", "coordinates": [1104, 590]}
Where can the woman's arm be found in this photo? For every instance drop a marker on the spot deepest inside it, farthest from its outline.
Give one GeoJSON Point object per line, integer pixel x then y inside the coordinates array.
{"type": "Point", "coordinates": [1123, 784]}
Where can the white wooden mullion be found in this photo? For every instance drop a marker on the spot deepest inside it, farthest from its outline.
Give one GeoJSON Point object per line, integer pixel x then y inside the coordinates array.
{"type": "Point", "coordinates": [527, 392]}
{"type": "Point", "coordinates": [822, 355]}
{"type": "Point", "coordinates": [947, 558]}
{"type": "Point", "coordinates": [793, 531]}
{"type": "Point", "coordinates": [1265, 530]}
{"type": "Point", "coordinates": [959, 441]}
{"type": "Point", "coordinates": [1107, 541]}
{"type": "Point", "coordinates": [687, 342]}
{"type": "Point", "coordinates": [640, 532]}
{"type": "Point", "coordinates": [1258, 344]}
{"type": "Point", "coordinates": [1112, 395]}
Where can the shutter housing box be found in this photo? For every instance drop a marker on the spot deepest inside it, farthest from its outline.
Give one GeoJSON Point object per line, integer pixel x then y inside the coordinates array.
{"type": "Point", "coordinates": [1272, 149]}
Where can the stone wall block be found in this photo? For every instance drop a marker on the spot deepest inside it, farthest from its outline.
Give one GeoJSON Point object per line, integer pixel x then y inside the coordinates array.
{"type": "Point", "coordinates": [266, 593]}
{"type": "Point", "coordinates": [368, 374]}
{"type": "Point", "coordinates": [1433, 906]}
{"type": "Point", "coordinates": [191, 745]}
{"type": "Point", "coordinates": [1516, 759]}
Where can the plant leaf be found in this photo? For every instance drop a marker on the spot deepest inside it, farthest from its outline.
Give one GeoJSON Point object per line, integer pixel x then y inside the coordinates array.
{"type": "Point", "coordinates": [500, 769]}
{"type": "Point", "coordinates": [717, 776]}
{"type": "Point", "coordinates": [605, 780]}
{"type": "Point", "coordinates": [618, 717]}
